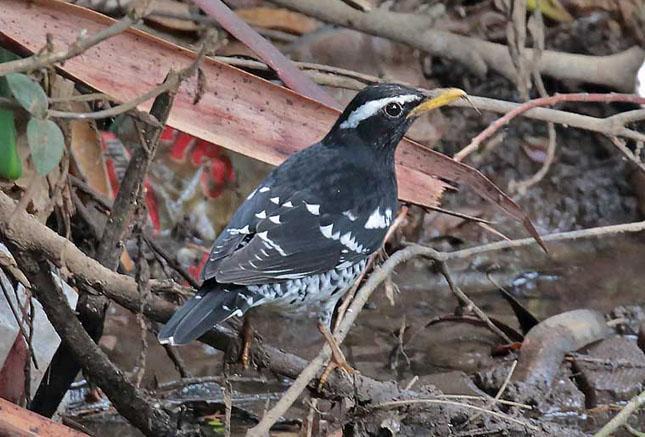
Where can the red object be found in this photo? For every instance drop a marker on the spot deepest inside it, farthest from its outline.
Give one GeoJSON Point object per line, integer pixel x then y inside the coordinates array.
{"type": "Point", "coordinates": [218, 170]}
{"type": "Point", "coordinates": [12, 374]}
{"type": "Point", "coordinates": [181, 145]}
{"type": "Point", "coordinates": [196, 269]}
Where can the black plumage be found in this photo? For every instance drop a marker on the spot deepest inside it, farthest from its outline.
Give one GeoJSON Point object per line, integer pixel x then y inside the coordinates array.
{"type": "Point", "coordinates": [304, 235]}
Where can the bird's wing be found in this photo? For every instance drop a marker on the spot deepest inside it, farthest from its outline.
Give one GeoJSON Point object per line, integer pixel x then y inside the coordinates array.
{"type": "Point", "coordinates": [278, 236]}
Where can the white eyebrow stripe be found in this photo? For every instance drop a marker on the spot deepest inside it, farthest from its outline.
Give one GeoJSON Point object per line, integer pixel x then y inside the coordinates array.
{"type": "Point", "coordinates": [370, 108]}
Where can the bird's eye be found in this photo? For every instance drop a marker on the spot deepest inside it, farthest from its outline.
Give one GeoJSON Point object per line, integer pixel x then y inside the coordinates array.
{"type": "Point", "coordinates": [393, 110]}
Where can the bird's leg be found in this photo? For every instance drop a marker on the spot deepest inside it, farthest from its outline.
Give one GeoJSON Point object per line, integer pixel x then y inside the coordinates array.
{"type": "Point", "coordinates": [338, 358]}
{"type": "Point", "coordinates": [247, 341]}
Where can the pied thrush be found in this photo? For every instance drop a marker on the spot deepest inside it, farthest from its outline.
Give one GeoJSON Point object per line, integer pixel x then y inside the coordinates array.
{"type": "Point", "coordinates": [303, 236]}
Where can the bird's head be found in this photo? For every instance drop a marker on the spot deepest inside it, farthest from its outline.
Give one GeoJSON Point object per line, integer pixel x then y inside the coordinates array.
{"type": "Point", "coordinates": [380, 115]}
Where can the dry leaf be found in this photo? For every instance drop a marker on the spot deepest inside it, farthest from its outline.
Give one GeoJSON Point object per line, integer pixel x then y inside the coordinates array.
{"type": "Point", "coordinates": [279, 19]}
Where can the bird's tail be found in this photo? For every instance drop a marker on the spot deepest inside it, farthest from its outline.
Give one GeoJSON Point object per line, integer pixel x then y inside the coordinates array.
{"type": "Point", "coordinates": [213, 304]}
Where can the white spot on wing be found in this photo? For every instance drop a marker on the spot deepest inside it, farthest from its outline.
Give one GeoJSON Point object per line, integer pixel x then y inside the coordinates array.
{"type": "Point", "coordinates": [264, 189]}
{"type": "Point", "coordinates": [244, 230]}
{"type": "Point", "coordinates": [275, 219]}
{"type": "Point", "coordinates": [326, 230]}
{"type": "Point", "coordinates": [349, 215]}
{"type": "Point", "coordinates": [270, 243]}
{"type": "Point", "coordinates": [376, 220]}
{"type": "Point", "coordinates": [275, 200]}
{"type": "Point", "coordinates": [170, 341]}
{"type": "Point", "coordinates": [288, 204]}
{"type": "Point", "coordinates": [370, 108]}
{"type": "Point", "coordinates": [261, 215]}
{"type": "Point", "coordinates": [313, 208]}
{"type": "Point", "coordinates": [289, 276]}
{"type": "Point", "coordinates": [344, 265]}
{"type": "Point", "coordinates": [349, 241]}
{"type": "Point", "coordinates": [252, 194]}
{"type": "Point", "coordinates": [248, 299]}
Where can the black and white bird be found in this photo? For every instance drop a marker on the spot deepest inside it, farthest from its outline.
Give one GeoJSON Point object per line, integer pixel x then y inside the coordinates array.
{"type": "Point", "coordinates": [303, 236]}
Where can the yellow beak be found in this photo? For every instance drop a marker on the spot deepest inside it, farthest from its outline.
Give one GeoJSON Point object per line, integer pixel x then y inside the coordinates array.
{"type": "Point", "coordinates": [446, 97]}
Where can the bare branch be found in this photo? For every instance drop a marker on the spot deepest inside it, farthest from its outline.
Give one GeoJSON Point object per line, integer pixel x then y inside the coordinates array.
{"type": "Point", "coordinates": [548, 101]}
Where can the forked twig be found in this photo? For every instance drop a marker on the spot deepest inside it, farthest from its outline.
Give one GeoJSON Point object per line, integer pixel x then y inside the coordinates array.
{"type": "Point", "coordinates": [545, 101]}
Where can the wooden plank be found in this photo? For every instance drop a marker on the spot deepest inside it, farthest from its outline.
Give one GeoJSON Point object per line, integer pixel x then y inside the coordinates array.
{"type": "Point", "coordinates": [19, 422]}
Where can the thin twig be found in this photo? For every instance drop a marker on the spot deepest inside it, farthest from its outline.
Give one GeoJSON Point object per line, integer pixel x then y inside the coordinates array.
{"type": "Point", "coordinates": [498, 396]}
{"type": "Point", "coordinates": [631, 156]}
{"type": "Point", "coordinates": [620, 419]}
{"type": "Point", "coordinates": [80, 98]}
{"type": "Point", "coordinates": [486, 399]}
{"type": "Point", "coordinates": [521, 186]}
{"type": "Point", "coordinates": [228, 405]}
{"type": "Point", "coordinates": [464, 299]}
{"type": "Point", "coordinates": [26, 336]}
{"type": "Point", "coordinates": [47, 58]}
{"type": "Point", "coordinates": [177, 361]}
{"type": "Point", "coordinates": [394, 404]}
{"type": "Point", "coordinates": [171, 261]}
{"type": "Point", "coordinates": [172, 82]}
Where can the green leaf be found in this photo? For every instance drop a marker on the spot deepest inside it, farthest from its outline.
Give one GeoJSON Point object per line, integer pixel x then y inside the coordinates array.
{"type": "Point", "coordinates": [28, 93]}
{"type": "Point", "coordinates": [10, 164]}
{"type": "Point", "coordinates": [46, 143]}
{"type": "Point", "coordinates": [6, 56]}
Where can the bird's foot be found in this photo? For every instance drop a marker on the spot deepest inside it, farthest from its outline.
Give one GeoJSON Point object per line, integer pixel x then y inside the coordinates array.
{"type": "Point", "coordinates": [338, 360]}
